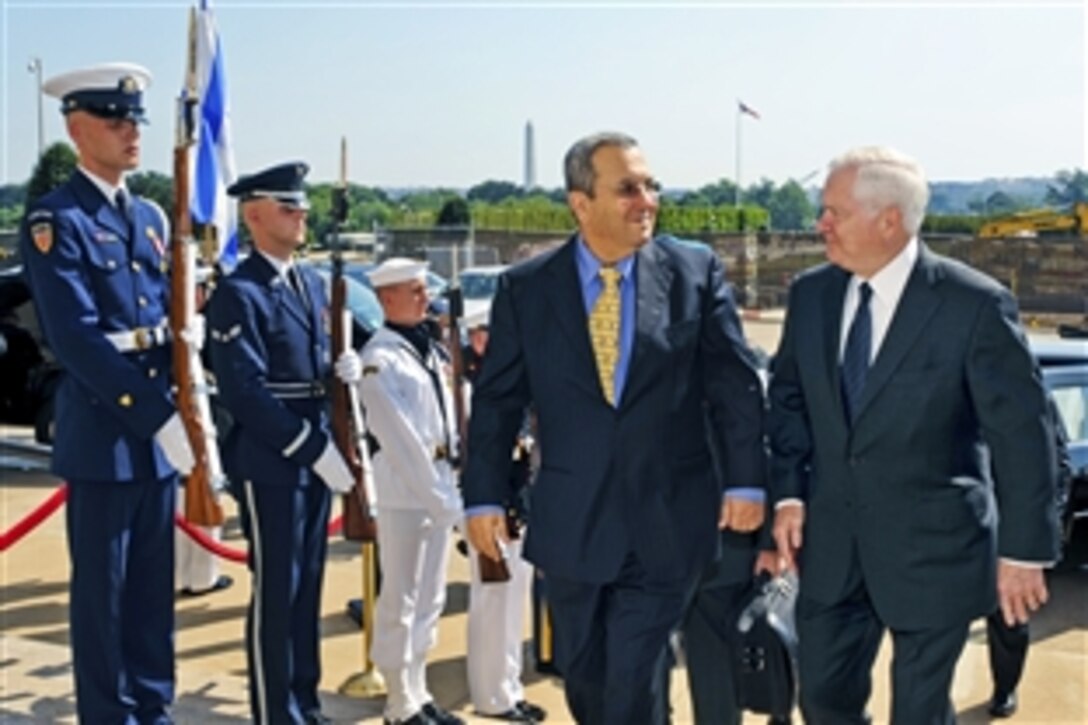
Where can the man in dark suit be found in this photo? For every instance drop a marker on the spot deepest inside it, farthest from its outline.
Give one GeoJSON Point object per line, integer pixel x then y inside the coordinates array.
{"type": "Point", "coordinates": [630, 351]}
{"type": "Point", "coordinates": [270, 353]}
{"type": "Point", "coordinates": [906, 414]}
{"type": "Point", "coordinates": [96, 258]}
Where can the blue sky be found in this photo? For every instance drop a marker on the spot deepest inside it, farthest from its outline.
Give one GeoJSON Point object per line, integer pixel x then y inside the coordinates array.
{"type": "Point", "coordinates": [438, 93]}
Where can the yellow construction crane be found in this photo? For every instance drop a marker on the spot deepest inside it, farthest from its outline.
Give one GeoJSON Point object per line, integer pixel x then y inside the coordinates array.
{"type": "Point", "coordinates": [1038, 222]}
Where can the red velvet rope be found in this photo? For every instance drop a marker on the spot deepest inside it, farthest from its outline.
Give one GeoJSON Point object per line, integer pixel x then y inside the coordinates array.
{"type": "Point", "coordinates": [48, 507]}
{"type": "Point", "coordinates": [226, 552]}
{"type": "Point", "coordinates": [29, 522]}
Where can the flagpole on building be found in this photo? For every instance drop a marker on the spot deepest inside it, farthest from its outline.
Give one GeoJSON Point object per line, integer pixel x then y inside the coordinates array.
{"type": "Point", "coordinates": [736, 171]}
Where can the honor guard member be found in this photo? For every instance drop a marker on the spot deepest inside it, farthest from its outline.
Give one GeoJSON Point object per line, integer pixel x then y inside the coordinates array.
{"type": "Point", "coordinates": [496, 609]}
{"type": "Point", "coordinates": [405, 387]}
{"type": "Point", "coordinates": [96, 259]}
{"type": "Point", "coordinates": [270, 353]}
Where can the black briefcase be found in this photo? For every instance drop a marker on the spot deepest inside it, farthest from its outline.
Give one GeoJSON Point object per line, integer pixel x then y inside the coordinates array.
{"type": "Point", "coordinates": [766, 652]}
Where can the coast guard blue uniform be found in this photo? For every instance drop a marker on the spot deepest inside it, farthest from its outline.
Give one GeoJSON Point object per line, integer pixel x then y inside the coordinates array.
{"type": "Point", "coordinates": [99, 278]}
{"type": "Point", "coordinates": [270, 353]}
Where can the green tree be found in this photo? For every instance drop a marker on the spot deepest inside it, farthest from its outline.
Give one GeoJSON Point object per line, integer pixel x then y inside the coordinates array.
{"type": "Point", "coordinates": [53, 169]}
{"type": "Point", "coordinates": [760, 194]}
{"type": "Point", "coordinates": [1000, 203]}
{"type": "Point", "coordinates": [493, 191]}
{"type": "Point", "coordinates": [790, 207]}
{"type": "Point", "coordinates": [155, 186]}
{"type": "Point", "coordinates": [1070, 187]}
{"type": "Point", "coordinates": [454, 213]}
{"type": "Point", "coordinates": [719, 193]}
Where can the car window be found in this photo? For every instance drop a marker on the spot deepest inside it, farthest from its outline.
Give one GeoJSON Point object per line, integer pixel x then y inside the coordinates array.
{"type": "Point", "coordinates": [479, 286]}
{"type": "Point", "coordinates": [1072, 404]}
{"type": "Point", "coordinates": [362, 301]}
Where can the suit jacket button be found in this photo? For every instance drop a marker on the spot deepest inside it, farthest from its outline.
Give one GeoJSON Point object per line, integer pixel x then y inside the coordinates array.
{"type": "Point", "coordinates": [152, 372]}
{"type": "Point", "coordinates": [125, 401]}
{"type": "Point", "coordinates": [142, 301]}
{"type": "Point", "coordinates": [135, 266]}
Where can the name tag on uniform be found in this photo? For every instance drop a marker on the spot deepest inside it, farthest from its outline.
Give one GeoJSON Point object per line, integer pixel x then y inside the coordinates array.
{"type": "Point", "coordinates": [102, 236]}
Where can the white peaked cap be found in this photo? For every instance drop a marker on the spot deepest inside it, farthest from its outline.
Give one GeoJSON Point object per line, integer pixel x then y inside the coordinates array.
{"type": "Point", "coordinates": [103, 77]}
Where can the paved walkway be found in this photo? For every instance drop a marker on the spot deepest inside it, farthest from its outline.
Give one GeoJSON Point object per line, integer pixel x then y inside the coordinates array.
{"type": "Point", "coordinates": [35, 673]}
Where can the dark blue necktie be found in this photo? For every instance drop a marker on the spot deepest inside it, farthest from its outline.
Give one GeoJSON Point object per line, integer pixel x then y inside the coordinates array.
{"type": "Point", "coordinates": [855, 357]}
{"type": "Point", "coordinates": [123, 207]}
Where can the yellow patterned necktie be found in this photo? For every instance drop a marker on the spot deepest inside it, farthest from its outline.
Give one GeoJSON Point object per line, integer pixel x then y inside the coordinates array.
{"type": "Point", "coordinates": [604, 331]}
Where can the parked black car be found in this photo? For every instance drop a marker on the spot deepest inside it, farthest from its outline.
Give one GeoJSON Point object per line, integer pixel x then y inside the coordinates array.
{"type": "Point", "coordinates": [29, 375]}
{"type": "Point", "coordinates": [1064, 364]}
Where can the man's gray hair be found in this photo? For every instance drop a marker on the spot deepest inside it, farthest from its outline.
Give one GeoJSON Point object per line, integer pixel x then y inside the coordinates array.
{"type": "Point", "coordinates": [578, 163]}
{"type": "Point", "coordinates": [887, 178]}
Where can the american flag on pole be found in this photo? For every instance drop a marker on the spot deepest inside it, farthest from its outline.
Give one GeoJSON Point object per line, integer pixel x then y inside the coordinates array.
{"type": "Point", "coordinates": [214, 169]}
{"type": "Point", "coordinates": [742, 107]}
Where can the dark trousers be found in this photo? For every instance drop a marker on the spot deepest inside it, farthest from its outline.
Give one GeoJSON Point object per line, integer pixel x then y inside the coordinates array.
{"type": "Point", "coordinates": [610, 642]}
{"type": "Point", "coordinates": [121, 600]}
{"type": "Point", "coordinates": [710, 636]}
{"type": "Point", "coordinates": [838, 645]}
{"type": "Point", "coordinates": [1008, 651]}
{"type": "Point", "coordinates": [287, 531]}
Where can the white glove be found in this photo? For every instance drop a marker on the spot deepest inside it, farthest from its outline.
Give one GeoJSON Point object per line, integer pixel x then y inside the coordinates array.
{"type": "Point", "coordinates": [333, 470]}
{"type": "Point", "coordinates": [174, 442]}
{"type": "Point", "coordinates": [194, 333]}
{"type": "Point", "coordinates": [349, 367]}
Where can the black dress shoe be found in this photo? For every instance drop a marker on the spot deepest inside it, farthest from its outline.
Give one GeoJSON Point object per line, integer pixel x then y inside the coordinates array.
{"type": "Point", "coordinates": [514, 714]}
{"type": "Point", "coordinates": [420, 718]}
{"type": "Point", "coordinates": [1003, 704]}
{"type": "Point", "coordinates": [317, 718]}
{"type": "Point", "coordinates": [536, 712]}
{"type": "Point", "coordinates": [223, 582]}
{"type": "Point", "coordinates": [440, 716]}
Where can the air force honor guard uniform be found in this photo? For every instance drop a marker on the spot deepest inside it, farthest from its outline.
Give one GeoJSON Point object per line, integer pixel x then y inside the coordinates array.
{"type": "Point", "coordinates": [270, 352]}
{"type": "Point", "coordinates": [96, 258]}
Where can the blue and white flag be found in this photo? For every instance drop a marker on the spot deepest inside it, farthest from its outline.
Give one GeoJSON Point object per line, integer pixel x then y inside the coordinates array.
{"type": "Point", "coordinates": [214, 169]}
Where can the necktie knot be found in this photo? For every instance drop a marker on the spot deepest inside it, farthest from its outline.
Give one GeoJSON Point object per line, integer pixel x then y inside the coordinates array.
{"type": "Point", "coordinates": [610, 276]}
{"type": "Point", "coordinates": [122, 202]}
{"type": "Point", "coordinates": [866, 294]}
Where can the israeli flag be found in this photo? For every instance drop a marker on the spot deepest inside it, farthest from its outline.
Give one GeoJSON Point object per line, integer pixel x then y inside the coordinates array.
{"type": "Point", "coordinates": [214, 169]}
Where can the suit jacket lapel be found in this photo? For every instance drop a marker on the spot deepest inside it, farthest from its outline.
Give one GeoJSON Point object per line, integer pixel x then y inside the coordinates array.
{"type": "Point", "coordinates": [830, 335]}
{"type": "Point", "coordinates": [918, 303]}
{"type": "Point", "coordinates": [653, 278]}
{"type": "Point", "coordinates": [97, 206]}
{"type": "Point", "coordinates": [564, 294]}
{"type": "Point", "coordinates": [281, 291]}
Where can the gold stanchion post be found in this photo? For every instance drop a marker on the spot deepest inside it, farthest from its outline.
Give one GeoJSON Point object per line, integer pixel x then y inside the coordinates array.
{"type": "Point", "coordinates": [369, 682]}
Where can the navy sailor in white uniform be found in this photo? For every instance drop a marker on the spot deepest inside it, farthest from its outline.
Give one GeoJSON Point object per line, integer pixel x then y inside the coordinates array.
{"type": "Point", "coordinates": [96, 258]}
{"type": "Point", "coordinates": [269, 348]}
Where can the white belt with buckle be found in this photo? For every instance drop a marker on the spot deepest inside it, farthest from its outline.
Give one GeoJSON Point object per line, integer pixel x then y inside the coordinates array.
{"type": "Point", "coordinates": [140, 338]}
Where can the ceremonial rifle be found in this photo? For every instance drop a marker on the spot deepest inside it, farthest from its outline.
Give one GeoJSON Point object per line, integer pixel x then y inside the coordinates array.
{"type": "Point", "coordinates": [348, 426]}
{"type": "Point", "coordinates": [491, 571]}
{"type": "Point", "coordinates": [206, 478]}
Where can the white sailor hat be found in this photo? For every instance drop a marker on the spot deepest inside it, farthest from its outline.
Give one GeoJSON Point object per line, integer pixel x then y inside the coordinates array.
{"type": "Point", "coordinates": [478, 318]}
{"type": "Point", "coordinates": [396, 270]}
{"type": "Point", "coordinates": [109, 90]}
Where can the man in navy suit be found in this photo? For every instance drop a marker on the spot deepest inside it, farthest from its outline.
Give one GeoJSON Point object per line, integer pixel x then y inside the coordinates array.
{"type": "Point", "coordinates": [270, 353]}
{"type": "Point", "coordinates": [912, 451]}
{"type": "Point", "coordinates": [644, 453]}
{"type": "Point", "coordinates": [97, 260]}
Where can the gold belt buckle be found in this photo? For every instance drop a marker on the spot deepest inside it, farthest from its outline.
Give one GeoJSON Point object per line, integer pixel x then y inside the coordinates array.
{"type": "Point", "coordinates": [142, 337]}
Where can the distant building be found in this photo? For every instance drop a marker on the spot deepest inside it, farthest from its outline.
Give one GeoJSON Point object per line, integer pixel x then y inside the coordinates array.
{"type": "Point", "coordinates": [530, 158]}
